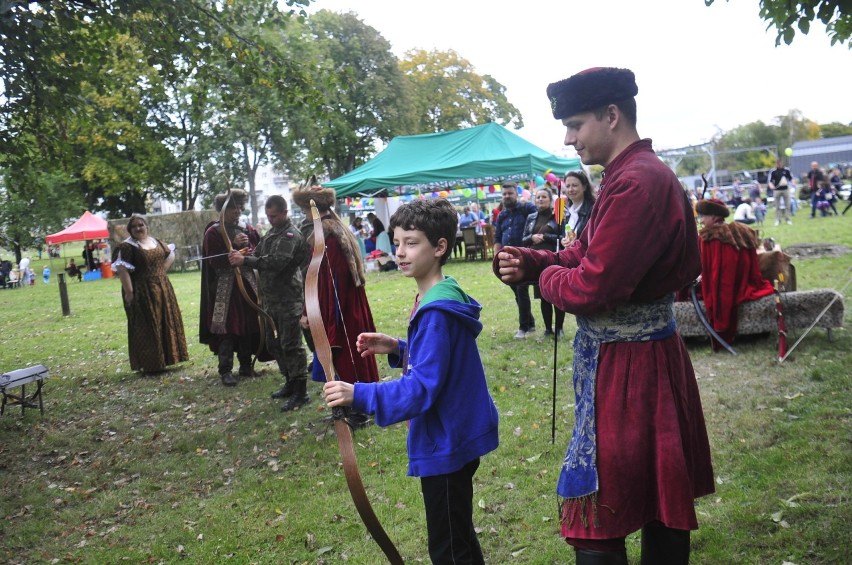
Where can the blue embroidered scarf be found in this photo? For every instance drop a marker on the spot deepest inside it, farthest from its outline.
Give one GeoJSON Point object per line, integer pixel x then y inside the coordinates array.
{"type": "Point", "coordinates": [631, 322]}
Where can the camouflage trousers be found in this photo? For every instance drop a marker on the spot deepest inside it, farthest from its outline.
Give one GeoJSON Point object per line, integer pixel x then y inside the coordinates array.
{"type": "Point", "coordinates": [288, 349]}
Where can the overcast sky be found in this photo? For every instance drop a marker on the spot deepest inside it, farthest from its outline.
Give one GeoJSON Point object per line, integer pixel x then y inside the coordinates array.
{"type": "Point", "coordinates": [699, 69]}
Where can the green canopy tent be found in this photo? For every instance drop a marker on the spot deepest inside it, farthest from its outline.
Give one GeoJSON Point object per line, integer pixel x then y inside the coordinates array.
{"type": "Point", "coordinates": [481, 155]}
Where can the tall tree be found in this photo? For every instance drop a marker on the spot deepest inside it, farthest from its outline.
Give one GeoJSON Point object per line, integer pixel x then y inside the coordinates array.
{"type": "Point", "coordinates": [364, 100]}
{"type": "Point", "coordinates": [58, 65]}
{"type": "Point", "coordinates": [448, 94]}
{"type": "Point", "coordinates": [786, 16]}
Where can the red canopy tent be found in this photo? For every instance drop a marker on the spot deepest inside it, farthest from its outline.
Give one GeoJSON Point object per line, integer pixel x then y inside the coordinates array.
{"type": "Point", "coordinates": [87, 227]}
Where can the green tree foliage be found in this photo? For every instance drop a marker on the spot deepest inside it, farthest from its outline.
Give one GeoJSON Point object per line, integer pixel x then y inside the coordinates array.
{"type": "Point", "coordinates": [835, 129]}
{"type": "Point", "coordinates": [448, 94]}
{"type": "Point", "coordinates": [364, 100]}
{"type": "Point", "coordinates": [756, 145]}
{"type": "Point", "coordinates": [86, 89]}
{"type": "Point", "coordinates": [787, 16]}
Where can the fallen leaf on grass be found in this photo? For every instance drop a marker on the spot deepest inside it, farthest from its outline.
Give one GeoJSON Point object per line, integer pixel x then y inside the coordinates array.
{"type": "Point", "coordinates": [794, 396]}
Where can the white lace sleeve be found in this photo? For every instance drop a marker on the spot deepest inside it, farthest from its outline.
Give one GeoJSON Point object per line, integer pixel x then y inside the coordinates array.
{"type": "Point", "coordinates": [119, 262]}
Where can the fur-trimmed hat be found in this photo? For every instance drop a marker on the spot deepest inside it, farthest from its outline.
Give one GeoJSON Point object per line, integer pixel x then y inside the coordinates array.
{"type": "Point", "coordinates": [324, 197]}
{"type": "Point", "coordinates": [712, 207]}
{"type": "Point", "coordinates": [590, 89]}
{"type": "Point", "coordinates": [238, 199]}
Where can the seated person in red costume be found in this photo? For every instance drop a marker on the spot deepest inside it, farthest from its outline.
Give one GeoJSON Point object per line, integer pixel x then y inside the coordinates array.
{"type": "Point", "coordinates": [730, 271]}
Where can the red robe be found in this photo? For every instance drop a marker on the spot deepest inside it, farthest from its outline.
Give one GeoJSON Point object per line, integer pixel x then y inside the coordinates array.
{"type": "Point", "coordinates": [730, 275]}
{"type": "Point", "coordinates": [346, 314]}
{"type": "Point", "coordinates": [639, 244]}
{"type": "Point", "coordinates": [241, 320]}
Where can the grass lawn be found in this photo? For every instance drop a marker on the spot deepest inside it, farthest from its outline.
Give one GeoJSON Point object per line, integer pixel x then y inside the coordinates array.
{"type": "Point", "coordinates": [125, 468]}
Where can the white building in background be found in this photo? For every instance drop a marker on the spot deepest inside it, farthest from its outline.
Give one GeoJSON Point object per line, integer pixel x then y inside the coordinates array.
{"type": "Point", "coordinates": [269, 181]}
{"type": "Point", "coordinates": [160, 205]}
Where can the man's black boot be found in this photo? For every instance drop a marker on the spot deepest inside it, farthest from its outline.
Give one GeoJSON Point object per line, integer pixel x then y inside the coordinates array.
{"type": "Point", "coordinates": [589, 557]}
{"type": "Point", "coordinates": [664, 546]}
{"type": "Point", "coordinates": [285, 391]}
{"type": "Point", "coordinates": [228, 379]}
{"type": "Point", "coordinates": [299, 397]}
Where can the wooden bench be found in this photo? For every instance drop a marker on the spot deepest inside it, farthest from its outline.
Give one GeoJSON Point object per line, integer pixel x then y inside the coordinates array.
{"type": "Point", "coordinates": [759, 316]}
{"type": "Point", "coordinates": [20, 378]}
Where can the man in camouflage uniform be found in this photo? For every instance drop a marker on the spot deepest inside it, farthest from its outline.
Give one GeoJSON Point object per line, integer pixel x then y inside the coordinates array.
{"type": "Point", "coordinates": [278, 258]}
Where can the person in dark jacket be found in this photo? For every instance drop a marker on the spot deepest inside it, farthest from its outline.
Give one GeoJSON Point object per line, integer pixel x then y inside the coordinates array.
{"type": "Point", "coordinates": [509, 230]}
{"type": "Point", "coordinates": [442, 393]}
{"type": "Point", "coordinates": [543, 232]}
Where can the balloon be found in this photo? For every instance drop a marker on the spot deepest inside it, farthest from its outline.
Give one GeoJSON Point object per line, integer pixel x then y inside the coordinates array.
{"type": "Point", "coordinates": [491, 189]}
{"type": "Point", "coordinates": [788, 152]}
{"type": "Point", "coordinates": [444, 194]}
{"type": "Point", "coordinates": [434, 195]}
{"type": "Point", "coordinates": [467, 193]}
{"type": "Point", "coordinates": [539, 180]}
{"type": "Point", "coordinates": [551, 178]}
{"type": "Point", "coordinates": [525, 194]}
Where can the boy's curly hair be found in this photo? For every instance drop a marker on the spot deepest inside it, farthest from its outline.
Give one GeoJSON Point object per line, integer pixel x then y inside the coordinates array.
{"type": "Point", "coordinates": [436, 218]}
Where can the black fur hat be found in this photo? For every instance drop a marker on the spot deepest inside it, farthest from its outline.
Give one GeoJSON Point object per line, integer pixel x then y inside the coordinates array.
{"type": "Point", "coordinates": [590, 89]}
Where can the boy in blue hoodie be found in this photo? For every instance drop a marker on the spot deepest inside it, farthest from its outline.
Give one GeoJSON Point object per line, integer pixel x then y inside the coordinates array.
{"type": "Point", "coordinates": [442, 392]}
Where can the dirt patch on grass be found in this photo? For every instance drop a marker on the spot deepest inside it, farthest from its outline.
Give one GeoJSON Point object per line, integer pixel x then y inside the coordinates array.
{"type": "Point", "coordinates": [808, 250]}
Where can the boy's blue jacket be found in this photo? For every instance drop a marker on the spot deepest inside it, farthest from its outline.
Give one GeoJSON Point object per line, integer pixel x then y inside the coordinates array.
{"type": "Point", "coordinates": [442, 391]}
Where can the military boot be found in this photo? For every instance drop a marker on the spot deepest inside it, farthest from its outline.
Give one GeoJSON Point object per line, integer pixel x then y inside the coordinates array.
{"type": "Point", "coordinates": [299, 397]}
{"type": "Point", "coordinates": [285, 391]}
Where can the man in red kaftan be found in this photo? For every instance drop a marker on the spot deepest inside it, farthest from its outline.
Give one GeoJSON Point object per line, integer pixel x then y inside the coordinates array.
{"type": "Point", "coordinates": [228, 324]}
{"type": "Point", "coordinates": [730, 270]}
{"type": "Point", "coordinates": [639, 454]}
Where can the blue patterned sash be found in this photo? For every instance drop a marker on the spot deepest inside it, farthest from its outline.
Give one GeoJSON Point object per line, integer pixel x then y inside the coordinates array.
{"type": "Point", "coordinates": [632, 322]}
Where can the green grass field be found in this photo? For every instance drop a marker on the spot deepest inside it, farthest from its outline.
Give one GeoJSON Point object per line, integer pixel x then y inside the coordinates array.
{"type": "Point", "coordinates": [125, 468]}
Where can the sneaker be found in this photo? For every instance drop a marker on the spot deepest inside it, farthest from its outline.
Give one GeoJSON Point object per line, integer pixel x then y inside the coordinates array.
{"type": "Point", "coordinates": [777, 222]}
{"type": "Point", "coordinates": [520, 334]}
{"type": "Point", "coordinates": [228, 379]}
{"type": "Point", "coordinates": [530, 332]}
{"type": "Point", "coordinates": [789, 222]}
{"type": "Point", "coordinates": [560, 334]}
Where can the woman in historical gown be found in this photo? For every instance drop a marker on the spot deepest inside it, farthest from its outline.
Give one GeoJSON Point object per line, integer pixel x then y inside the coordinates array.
{"type": "Point", "coordinates": [155, 333]}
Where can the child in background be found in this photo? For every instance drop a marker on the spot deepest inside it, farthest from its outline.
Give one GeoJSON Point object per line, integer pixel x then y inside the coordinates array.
{"type": "Point", "coordinates": [760, 210]}
{"type": "Point", "coordinates": [442, 391]}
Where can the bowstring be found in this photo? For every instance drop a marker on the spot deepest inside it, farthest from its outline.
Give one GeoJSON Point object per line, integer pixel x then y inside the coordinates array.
{"type": "Point", "coordinates": [379, 471]}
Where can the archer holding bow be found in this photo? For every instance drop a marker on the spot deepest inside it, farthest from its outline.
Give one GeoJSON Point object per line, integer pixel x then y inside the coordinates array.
{"type": "Point", "coordinates": [442, 392]}
{"type": "Point", "coordinates": [228, 324]}
{"type": "Point", "coordinates": [342, 298]}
